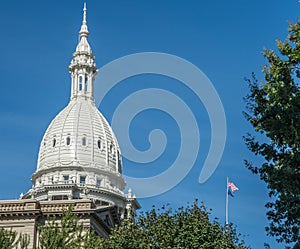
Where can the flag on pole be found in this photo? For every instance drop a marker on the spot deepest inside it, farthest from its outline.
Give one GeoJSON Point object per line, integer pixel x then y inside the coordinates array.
{"type": "Point", "coordinates": [231, 188]}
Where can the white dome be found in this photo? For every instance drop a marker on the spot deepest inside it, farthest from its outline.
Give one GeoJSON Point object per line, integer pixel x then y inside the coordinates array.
{"type": "Point", "coordinates": [79, 157]}
{"type": "Point", "coordinates": [80, 136]}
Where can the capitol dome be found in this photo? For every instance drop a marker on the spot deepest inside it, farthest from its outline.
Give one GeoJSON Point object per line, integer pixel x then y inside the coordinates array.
{"type": "Point", "coordinates": [80, 136]}
{"type": "Point", "coordinates": [79, 155]}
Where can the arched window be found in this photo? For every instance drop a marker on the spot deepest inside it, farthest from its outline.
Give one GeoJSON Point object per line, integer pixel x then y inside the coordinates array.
{"type": "Point", "coordinates": [53, 142]}
{"type": "Point", "coordinates": [84, 141]}
{"type": "Point", "coordinates": [68, 141]}
{"type": "Point", "coordinates": [99, 144]}
{"type": "Point", "coordinates": [80, 83]}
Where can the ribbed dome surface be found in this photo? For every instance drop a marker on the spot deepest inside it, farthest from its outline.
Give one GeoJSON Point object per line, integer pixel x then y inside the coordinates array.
{"type": "Point", "coordinates": [80, 136]}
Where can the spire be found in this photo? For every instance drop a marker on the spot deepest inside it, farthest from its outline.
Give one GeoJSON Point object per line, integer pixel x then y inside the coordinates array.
{"type": "Point", "coordinates": [84, 13]}
{"type": "Point", "coordinates": [84, 29]}
{"type": "Point", "coordinates": [83, 68]}
{"type": "Point", "coordinates": [83, 45]}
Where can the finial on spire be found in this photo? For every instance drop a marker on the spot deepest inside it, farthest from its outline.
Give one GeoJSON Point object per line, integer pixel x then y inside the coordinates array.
{"type": "Point", "coordinates": [84, 13]}
{"type": "Point", "coordinates": [84, 29]}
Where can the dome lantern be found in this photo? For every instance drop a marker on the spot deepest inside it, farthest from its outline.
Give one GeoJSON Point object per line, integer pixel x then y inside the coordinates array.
{"type": "Point", "coordinates": [82, 67]}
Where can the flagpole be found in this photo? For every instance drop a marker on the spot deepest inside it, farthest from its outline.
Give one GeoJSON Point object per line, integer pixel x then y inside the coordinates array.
{"type": "Point", "coordinates": [226, 212]}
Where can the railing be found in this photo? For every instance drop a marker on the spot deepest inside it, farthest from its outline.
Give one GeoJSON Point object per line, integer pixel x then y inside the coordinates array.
{"type": "Point", "coordinates": [57, 206]}
{"type": "Point", "coordinates": [18, 205]}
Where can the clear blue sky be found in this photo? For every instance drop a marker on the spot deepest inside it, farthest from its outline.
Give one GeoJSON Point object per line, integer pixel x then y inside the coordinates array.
{"type": "Point", "coordinates": [222, 38]}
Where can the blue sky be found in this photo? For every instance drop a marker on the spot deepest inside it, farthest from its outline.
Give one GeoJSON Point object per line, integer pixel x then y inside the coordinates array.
{"type": "Point", "coordinates": [222, 38]}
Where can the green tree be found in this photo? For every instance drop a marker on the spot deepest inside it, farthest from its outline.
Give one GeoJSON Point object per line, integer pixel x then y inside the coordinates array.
{"type": "Point", "coordinates": [10, 239]}
{"type": "Point", "coordinates": [274, 111]}
{"type": "Point", "coordinates": [163, 228]}
{"type": "Point", "coordinates": [92, 241]}
{"type": "Point", "coordinates": [66, 233]}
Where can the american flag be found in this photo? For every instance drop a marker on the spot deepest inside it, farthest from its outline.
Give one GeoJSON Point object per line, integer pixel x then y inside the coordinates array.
{"type": "Point", "coordinates": [232, 187]}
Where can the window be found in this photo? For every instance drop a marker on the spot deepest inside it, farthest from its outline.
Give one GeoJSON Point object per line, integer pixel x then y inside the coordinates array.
{"type": "Point", "coordinates": [99, 144]}
{"type": "Point", "coordinates": [85, 83]}
{"type": "Point", "coordinates": [68, 141]}
{"type": "Point", "coordinates": [59, 197]}
{"type": "Point", "coordinates": [119, 163]}
{"type": "Point", "coordinates": [112, 150]}
{"type": "Point", "coordinates": [82, 179]}
{"type": "Point", "coordinates": [80, 83]}
{"type": "Point", "coordinates": [54, 142]}
{"type": "Point", "coordinates": [84, 141]}
{"type": "Point", "coordinates": [119, 167]}
{"type": "Point", "coordinates": [107, 220]}
{"type": "Point", "coordinates": [98, 182]}
{"type": "Point", "coordinates": [66, 178]}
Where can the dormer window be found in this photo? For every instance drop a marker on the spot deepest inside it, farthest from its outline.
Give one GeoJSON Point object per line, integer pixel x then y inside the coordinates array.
{"type": "Point", "coordinates": [84, 141]}
{"type": "Point", "coordinates": [68, 141]}
{"type": "Point", "coordinates": [111, 149]}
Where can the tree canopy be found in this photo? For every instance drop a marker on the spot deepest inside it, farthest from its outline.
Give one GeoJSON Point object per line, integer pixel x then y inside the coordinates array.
{"type": "Point", "coordinates": [273, 109]}
{"type": "Point", "coordinates": [11, 240]}
{"type": "Point", "coordinates": [186, 227]}
{"type": "Point", "coordinates": [163, 228]}
{"type": "Point", "coordinates": [67, 233]}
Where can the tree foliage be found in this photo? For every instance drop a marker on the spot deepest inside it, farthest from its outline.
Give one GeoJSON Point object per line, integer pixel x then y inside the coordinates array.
{"type": "Point", "coordinates": [12, 240]}
{"type": "Point", "coordinates": [164, 228]}
{"type": "Point", "coordinates": [274, 112]}
{"type": "Point", "coordinates": [66, 233]}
